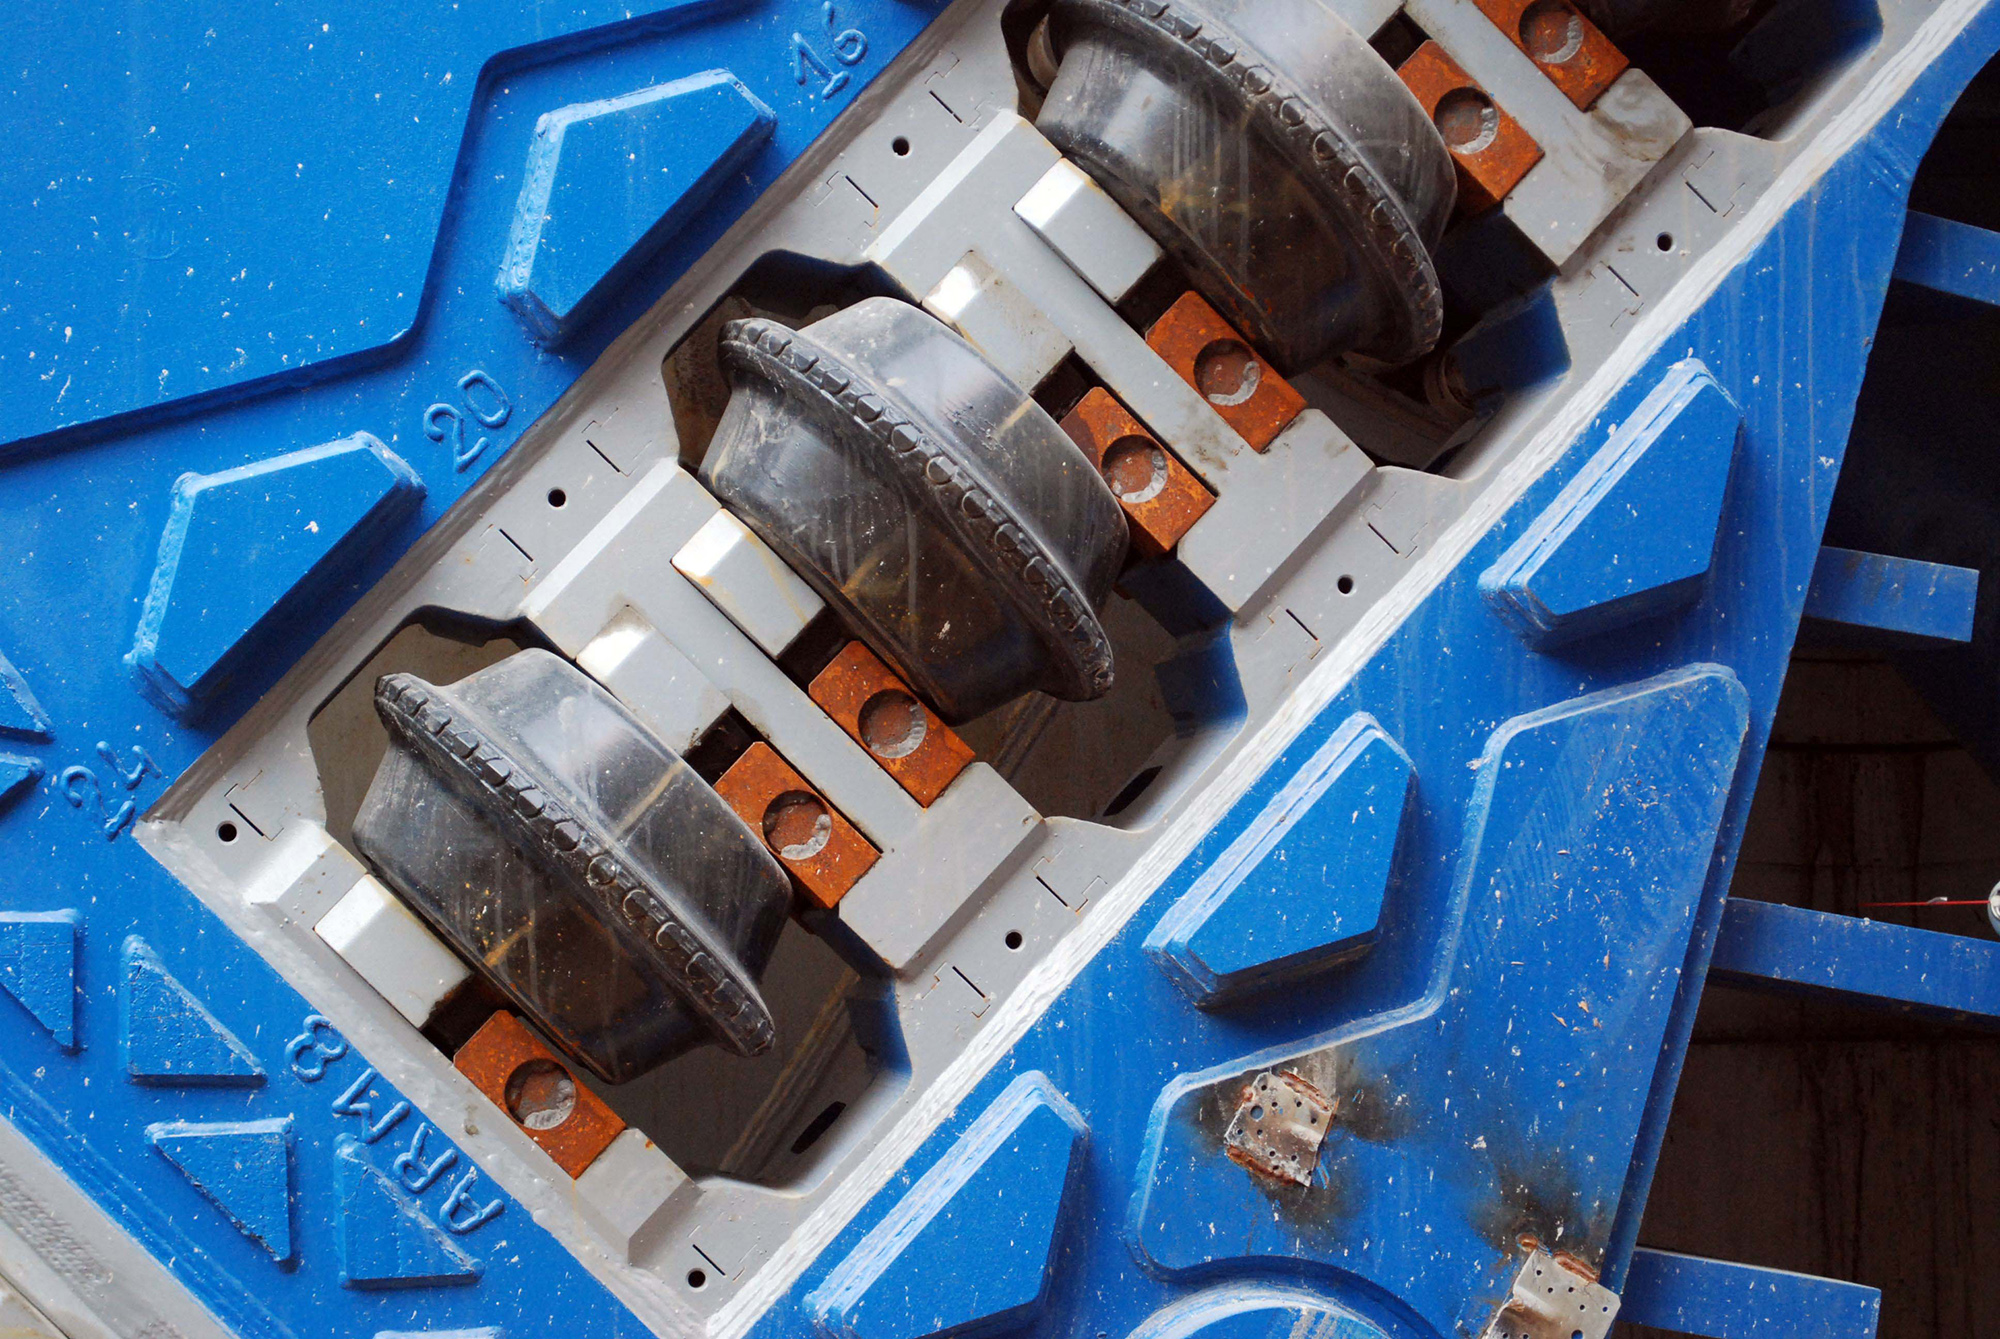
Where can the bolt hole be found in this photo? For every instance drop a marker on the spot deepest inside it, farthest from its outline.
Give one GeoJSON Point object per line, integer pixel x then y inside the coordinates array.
{"type": "Point", "coordinates": [1467, 120]}
{"type": "Point", "coordinates": [900, 147]}
{"type": "Point", "coordinates": [797, 825]}
{"type": "Point", "coordinates": [1136, 469]}
{"type": "Point", "coordinates": [557, 497]}
{"type": "Point", "coordinates": [892, 724]}
{"type": "Point", "coordinates": [1665, 241]}
{"type": "Point", "coordinates": [540, 1094]}
{"type": "Point", "coordinates": [1345, 585]}
{"type": "Point", "coordinates": [1226, 372]}
{"type": "Point", "coordinates": [697, 1278]}
{"type": "Point", "coordinates": [1014, 939]}
{"type": "Point", "coordinates": [1551, 31]}
{"type": "Point", "coordinates": [225, 832]}
{"type": "Point", "coordinates": [1256, 1113]}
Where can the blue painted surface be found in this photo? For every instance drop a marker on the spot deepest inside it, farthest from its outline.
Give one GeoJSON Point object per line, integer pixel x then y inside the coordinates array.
{"type": "Point", "coordinates": [1950, 257]}
{"type": "Point", "coordinates": [483, 1332]}
{"type": "Point", "coordinates": [1933, 601]}
{"type": "Point", "coordinates": [243, 1167]}
{"type": "Point", "coordinates": [248, 549]}
{"type": "Point", "coordinates": [385, 1241]}
{"type": "Point", "coordinates": [1256, 1311]}
{"type": "Point", "coordinates": [1778, 334]}
{"type": "Point", "coordinates": [1949, 976]}
{"type": "Point", "coordinates": [190, 229]}
{"type": "Point", "coordinates": [1301, 890]}
{"type": "Point", "coordinates": [17, 775]}
{"type": "Point", "coordinates": [84, 508]}
{"type": "Point", "coordinates": [968, 1250]}
{"type": "Point", "coordinates": [38, 968]}
{"type": "Point", "coordinates": [608, 182]}
{"type": "Point", "coordinates": [290, 245]}
{"type": "Point", "coordinates": [1633, 534]}
{"type": "Point", "coordinates": [169, 1036]}
{"type": "Point", "coordinates": [1690, 1295]}
{"type": "Point", "coordinates": [21, 716]}
{"type": "Point", "coordinates": [1588, 845]}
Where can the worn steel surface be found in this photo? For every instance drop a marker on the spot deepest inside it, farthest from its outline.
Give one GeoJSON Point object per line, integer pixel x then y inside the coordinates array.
{"type": "Point", "coordinates": [1490, 149]}
{"type": "Point", "coordinates": [1194, 340]}
{"type": "Point", "coordinates": [1161, 497]}
{"type": "Point", "coordinates": [537, 1091]}
{"type": "Point", "coordinates": [1566, 46]}
{"type": "Point", "coordinates": [824, 852]}
{"type": "Point", "coordinates": [882, 715]}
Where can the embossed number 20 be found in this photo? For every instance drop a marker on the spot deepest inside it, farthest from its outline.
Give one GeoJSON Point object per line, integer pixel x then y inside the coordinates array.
{"type": "Point", "coordinates": [850, 46]}
{"type": "Point", "coordinates": [446, 424]}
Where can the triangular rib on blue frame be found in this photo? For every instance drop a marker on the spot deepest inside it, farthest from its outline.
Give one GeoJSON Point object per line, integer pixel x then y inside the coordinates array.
{"type": "Point", "coordinates": [169, 1036]}
{"type": "Point", "coordinates": [1632, 535]}
{"type": "Point", "coordinates": [17, 774]}
{"type": "Point", "coordinates": [607, 183]}
{"type": "Point", "coordinates": [970, 1248]}
{"type": "Point", "coordinates": [21, 717]}
{"type": "Point", "coordinates": [38, 968]}
{"type": "Point", "coordinates": [385, 1240]}
{"type": "Point", "coordinates": [243, 1167]}
{"type": "Point", "coordinates": [246, 550]}
{"type": "Point", "coordinates": [1300, 889]}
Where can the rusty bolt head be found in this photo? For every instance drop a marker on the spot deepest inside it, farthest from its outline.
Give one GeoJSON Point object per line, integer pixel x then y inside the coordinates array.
{"type": "Point", "coordinates": [1565, 46]}
{"type": "Point", "coordinates": [1161, 497]}
{"type": "Point", "coordinates": [526, 1080]}
{"type": "Point", "coordinates": [822, 851]}
{"type": "Point", "coordinates": [1491, 150]}
{"type": "Point", "coordinates": [880, 713]}
{"type": "Point", "coordinates": [798, 825]}
{"type": "Point", "coordinates": [1214, 358]}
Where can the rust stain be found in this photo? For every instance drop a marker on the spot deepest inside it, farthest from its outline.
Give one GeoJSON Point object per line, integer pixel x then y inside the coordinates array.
{"type": "Point", "coordinates": [1162, 498]}
{"type": "Point", "coordinates": [823, 852]}
{"type": "Point", "coordinates": [1210, 355]}
{"type": "Point", "coordinates": [1543, 1206]}
{"type": "Point", "coordinates": [881, 714]}
{"type": "Point", "coordinates": [1565, 46]}
{"type": "Point", "coordinates": [1490, 148]}
{"type": "Point", "coordinates": [538, 1092]}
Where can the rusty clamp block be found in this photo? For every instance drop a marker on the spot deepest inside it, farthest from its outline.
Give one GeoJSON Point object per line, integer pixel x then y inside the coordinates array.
{"type": "Point", "coordinates": [1161, 497]}
{"type": "Point", "coordinates": [524, 1078]}
{"type": "Point", "coordinates": [1209, 354]}
{"type": "Point", "coordinates": [1491, 150]}
{"type": "Point", "coordinates": [880, 713]}
{"type": "Point", "coordinates": [824, 852]}
{"type": "Point", "coordinates": [1565, 46]}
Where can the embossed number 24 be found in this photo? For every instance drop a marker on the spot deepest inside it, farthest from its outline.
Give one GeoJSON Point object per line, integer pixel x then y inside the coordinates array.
{"type": "Point", "coordinates": [850, 46]}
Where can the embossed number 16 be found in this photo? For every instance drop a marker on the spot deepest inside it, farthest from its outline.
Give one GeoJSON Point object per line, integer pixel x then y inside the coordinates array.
{"type": "Point", "coordinates": [850, 45]}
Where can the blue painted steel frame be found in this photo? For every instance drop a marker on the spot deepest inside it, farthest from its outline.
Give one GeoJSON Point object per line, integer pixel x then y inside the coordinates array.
{"type": "Point", "coordinates": [83, 499]}
{"type": "Point", "coordinates": [1117, 1033]}
{"type": "Point", "coordinates": [1951, 978]}
{"type": "Point", "coordinates": [1689, 1295]}
{"type": "Point", "coordinates": [84, 507]}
